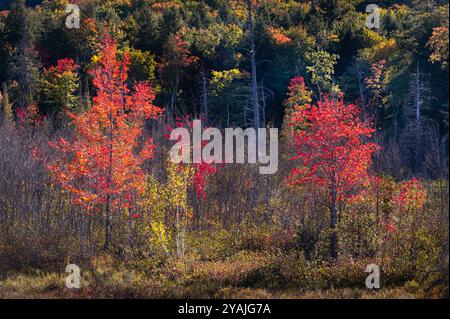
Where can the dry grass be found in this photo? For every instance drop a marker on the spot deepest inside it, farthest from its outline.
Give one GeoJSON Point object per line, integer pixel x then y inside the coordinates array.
{"type": "Point", "coordinates": [224, 279]}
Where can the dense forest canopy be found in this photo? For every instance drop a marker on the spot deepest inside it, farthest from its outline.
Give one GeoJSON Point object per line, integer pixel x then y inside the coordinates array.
{"type": "Point", "coordinates": [326, 42]}
{"type": "Point", "coordinates": [6, 3]}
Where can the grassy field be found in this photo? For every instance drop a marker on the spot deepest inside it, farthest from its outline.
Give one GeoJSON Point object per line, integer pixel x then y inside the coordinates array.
{"type": "Point", "coordinates": [246, 275]}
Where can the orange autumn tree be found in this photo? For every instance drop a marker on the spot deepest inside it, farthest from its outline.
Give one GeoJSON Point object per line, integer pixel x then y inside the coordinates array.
{"type": "Point", "coordinates": [102, 164]}
{"type": "Point", "coordinates": [332, 154]}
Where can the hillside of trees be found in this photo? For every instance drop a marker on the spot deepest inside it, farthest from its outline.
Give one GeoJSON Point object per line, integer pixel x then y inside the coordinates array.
{"type": "Point", "coordinates": [86, 179]}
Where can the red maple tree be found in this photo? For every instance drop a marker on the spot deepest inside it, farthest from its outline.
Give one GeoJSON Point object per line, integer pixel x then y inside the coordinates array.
{"type": "Point", "coordinates": [102, 163]}
{"type": "Point", "coordinates": [332, 154]}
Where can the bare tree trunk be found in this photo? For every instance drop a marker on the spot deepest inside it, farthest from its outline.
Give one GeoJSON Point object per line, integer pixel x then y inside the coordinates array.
{"type": "Point", "coordinates": [109, 180]}
{"type": "Point", "coordinates": [177, 226]}
{"type": "Point", "coordinates": [333, 222]}
{"type": "Point", "coordinates": [24, 78]}
{"type": "Point", "coordinates": [183, 234]}
{"type": "Point", "coordinates": [377, 205]}
{"type": "Point", "coordinates": [174, 94]}
{"type": "Point", "coordinates": [264, 104]}
{"type": "Point", "coordinates": [205, 95]}
{"type": "Point", "coordinates": [107, 224]}
{"type": "Point", "coordinates": [86, 92]}
{"type": "Point", "coordinates": [333, 235]}
{"type": "Point", "coordinates": [418, 121]}
{"type": "Point", "coordinates": [254, 86]}
{"type": "Point", "coordinates": [361, 94]}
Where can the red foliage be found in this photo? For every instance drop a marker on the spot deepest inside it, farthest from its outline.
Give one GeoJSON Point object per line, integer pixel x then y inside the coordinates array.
{"type": "Point", "coordinates": [330, 148]}
{"type": "Point", "coordinates": [64, 65]}
{"type": "Point", "coordinates": [29, 116]}
{"type": "Point", "coordinates": [296, 82]}
{"type": "Point", "coordinates": [278, 37]}
{"type": "Point", "coordinates": [177, 54]}
{"type": "Point", "coordinates": [298, 93]}
{"type": "Point", "coordinates": [411, 196]}
{"type": "Point", "coordinates": [90, 25]}
{"type": "Point", "coordinates": [375, 81]}
{"type": "Point", "coordinates": [103, 161]}
{"type": "Point", "coordinates": [388, 226]}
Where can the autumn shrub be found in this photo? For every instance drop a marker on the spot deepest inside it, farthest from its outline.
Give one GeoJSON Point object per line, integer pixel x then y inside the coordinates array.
{"type": "Point", "coordinates": [397, 224]}
{"type": "Point", "coordinates": [263, 237]}
{"type": "Point", "coordinates": [294, 271]}
{"type": "Point", "coordinates": [211, 245]}
{"type": "Point", "coordinates": [45, 253]}
{"type": "Point", "coordinates": [413, 243]}
{"type": "Point", "coordinates": [203, 279]}
{"type": "Point", "coordinates": [367, 221]}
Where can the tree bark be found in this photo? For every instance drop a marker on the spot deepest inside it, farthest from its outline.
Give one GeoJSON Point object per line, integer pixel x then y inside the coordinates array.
{"type": "Point", "coordinates": [205, 95]}
{"type": "Point", "coordinates": [107, 225]}
{"type": "Point", "coordinates": [333, 222]}
{"type": "Point", "coordinates": [254, 86]}
{"type": "Point", "coordinates": [418, 120]}
{"type": "Point", "coordinates": [333, 235]}
{"type": "Point", "coordinates": [109, 180]}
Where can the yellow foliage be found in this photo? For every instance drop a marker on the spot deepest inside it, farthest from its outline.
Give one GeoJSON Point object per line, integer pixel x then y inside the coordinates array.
{"type": "Point", "coordinates": [162, 200]}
